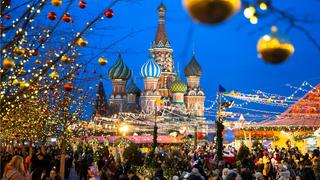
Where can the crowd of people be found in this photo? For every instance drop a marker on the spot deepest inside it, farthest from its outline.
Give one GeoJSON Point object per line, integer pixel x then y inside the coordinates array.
{"type": "Point", "coordinates": [39, 164]}
{"type": "Point", "coordinates": [259, 163]}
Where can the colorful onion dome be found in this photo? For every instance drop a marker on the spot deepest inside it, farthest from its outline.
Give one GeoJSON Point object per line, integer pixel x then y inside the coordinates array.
{"type": "Point", "coordinates": [150, 69]}
{"type": "Point", "coordinates": [119, 70]}
{"type": "Point", "coordinates": [193, 68]}
{"type": "Point", "coordinates": [178, 86]}
{"type": "Point", "coordinates": [132, 88]}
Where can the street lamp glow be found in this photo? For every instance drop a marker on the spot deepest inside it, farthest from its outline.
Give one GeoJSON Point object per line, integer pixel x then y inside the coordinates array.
{"type": "Point", "coordinates": [124, 129]}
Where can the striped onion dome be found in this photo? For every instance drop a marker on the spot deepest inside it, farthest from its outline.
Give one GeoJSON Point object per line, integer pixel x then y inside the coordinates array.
{"type": "Point", "coordinates": [150, 69]}
{"type": "Point", "coordinates": [178, 86]}
{"type": "Point", "coordinates": [193, 68]}
{"type": "Point", "coordinates": [132, 88]}
{"type": "Point", "coordinates": [119, 70]}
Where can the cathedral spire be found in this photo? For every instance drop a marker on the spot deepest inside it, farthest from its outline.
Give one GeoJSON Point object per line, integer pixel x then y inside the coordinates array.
{"type": "Point", "coordinates": [161, 35]}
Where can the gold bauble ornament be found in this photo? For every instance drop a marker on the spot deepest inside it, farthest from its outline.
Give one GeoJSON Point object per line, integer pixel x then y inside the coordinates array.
{"type": "Point", "coordinates": [24, 84]}
{"type": "Point", "coordinates": [56, 2]}
{"type": "Point", "coordinates": [102, 61]}
{"type": "Point", "coordinates": [65, 59]}
{"type": "Point", "coordinates": [16, 82]}
{"type": "Point", "coordinates": [211, 11]}
{"type": "Point", "coordinates": [18, 51]}
{"type": "Point", "coordinates": [54, 75]}
{"type": "Point", "coordinates": [8, 63]}
{"type": "Point", "coordinates": [82, 42]}
{"type": "Point", "coordinates": [273, 48]}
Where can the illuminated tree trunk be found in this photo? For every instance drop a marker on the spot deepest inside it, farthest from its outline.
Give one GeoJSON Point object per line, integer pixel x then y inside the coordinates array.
{"type": "Point", "coordinates": [63, 159]}
{"type": "Point", "coordinates": [195, 137]}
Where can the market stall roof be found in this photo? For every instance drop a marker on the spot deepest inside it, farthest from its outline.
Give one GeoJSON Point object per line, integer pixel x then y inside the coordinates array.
{"type": "Point", "coordinates": [162, 139]}
{"type": "Point", "coordinates": [304, 113]}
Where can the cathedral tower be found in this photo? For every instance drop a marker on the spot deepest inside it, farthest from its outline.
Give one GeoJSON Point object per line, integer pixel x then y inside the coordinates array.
{"type": "Point", "coordinates": [162, 53]}
{"type": "Point", "coordinates": [194, 98]}
{"type": "Point", "coordinates": [119, 73]}
{"type": "Point", "coordinates": [150, 72]}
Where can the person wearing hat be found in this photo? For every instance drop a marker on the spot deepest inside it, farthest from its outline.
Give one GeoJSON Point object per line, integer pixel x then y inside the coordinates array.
{"type": "Point", "coordinates": [258, 176]}
{"type": "Point", "coordinates": [39, 165]}
{"type": "Point", "coordinates": [195, 175]}
{"type": "Point", "coordinates": [284, 173]}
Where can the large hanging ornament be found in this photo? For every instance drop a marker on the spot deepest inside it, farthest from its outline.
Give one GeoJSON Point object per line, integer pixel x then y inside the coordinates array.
{"type": "Point", "coordinates": [273, 48]}
{"type": "Point", "coordinates": [82, 42]}
{"type": "Point", "coordinates": [52, 16]}
{"type": "Point", "coordinates": [109, 13]}
{"type": "Point", "coordinates": [102, 61]}
{"type": "Point", "coordinates": [56, 2]}
{"type": "Point", "coordinates": [82, 4]}
{"type": "Point", "coordinates": [8, 63]}
{"type": "Point", "coordinates": [66, 17]}
{"type": "Point", "coordinates": [211, 11]}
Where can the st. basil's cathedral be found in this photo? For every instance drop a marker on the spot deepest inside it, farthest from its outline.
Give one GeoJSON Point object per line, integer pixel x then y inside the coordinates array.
{"type": "Point", "coordinates": [162, 83]}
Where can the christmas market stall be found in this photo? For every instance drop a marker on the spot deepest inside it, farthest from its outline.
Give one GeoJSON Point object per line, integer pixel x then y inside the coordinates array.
{"type": "Point", "coordinates": [298, 126]}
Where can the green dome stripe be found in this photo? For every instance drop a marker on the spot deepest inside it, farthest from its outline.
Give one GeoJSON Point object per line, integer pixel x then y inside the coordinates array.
{"type": "Point", "coordinates": [119, 70]}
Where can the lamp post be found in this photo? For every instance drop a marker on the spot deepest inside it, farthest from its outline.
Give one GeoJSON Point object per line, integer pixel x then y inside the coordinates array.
{"type": "Point", "coordinates": [219, 122]}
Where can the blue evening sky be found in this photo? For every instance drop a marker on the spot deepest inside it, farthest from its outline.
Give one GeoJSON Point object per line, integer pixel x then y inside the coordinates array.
{"type": "Point", "coordinates": [226, 52]}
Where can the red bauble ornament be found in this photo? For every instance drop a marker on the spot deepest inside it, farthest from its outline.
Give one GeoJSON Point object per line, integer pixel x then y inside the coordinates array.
{"type": "Point", "coordinates": [109, 13]}
{"type": "Point", "coordinates": [1, 27]}
{"type": "Point", "coordinates": [200, 135]}
{"type": "Point", "coordinates": [34, 52]}
{"type": "Point", "coordinates": [42, 39]}
{"type": "Point", "coordinates": [8, 16]}
{"type": "Point", "coordinates": [52, 16]}
{"type": "Point", "coordinates": [68, 87]}
{"type": "Point", "coordinates": [66, 17]}
{"type": "Point", "coordinates": [82, 4]}
{"type": "Point", "coordinates": [7, 2]}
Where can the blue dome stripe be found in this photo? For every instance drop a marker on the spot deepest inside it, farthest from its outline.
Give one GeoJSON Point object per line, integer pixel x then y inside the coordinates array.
{"type": "Point", "coordinates": [150, 69]}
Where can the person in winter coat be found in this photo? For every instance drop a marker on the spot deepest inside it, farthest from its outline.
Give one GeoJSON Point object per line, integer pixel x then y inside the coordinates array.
{"type": "Point", "coordinates": [195, 175]}
{"type": "Point", "coordinates": [39, 165]}
{"type": "Point", "coordinates": [284, 173]}
{"type": "Point", "coordinates": [307, 172]}
{"type": "Point", "coordinates": [158, 175]}
{"type": "Point", "coordinates": [132, 175]}
{"type": "Point", "coordinates": [15, 169]}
